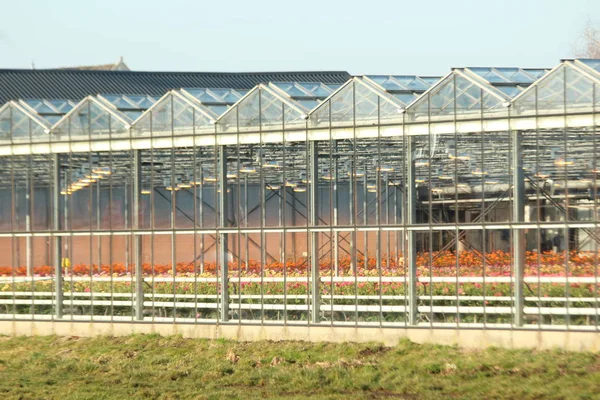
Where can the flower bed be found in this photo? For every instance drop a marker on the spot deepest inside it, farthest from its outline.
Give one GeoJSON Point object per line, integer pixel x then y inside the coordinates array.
{"type": "Point", "coordinates": [369, 285]}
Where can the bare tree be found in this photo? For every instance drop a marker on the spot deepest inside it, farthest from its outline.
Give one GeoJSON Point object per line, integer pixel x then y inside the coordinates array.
{"type": "Point", "coordinates": [588, 45]}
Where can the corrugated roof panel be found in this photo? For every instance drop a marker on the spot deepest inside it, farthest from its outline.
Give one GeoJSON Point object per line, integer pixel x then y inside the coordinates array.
{"type": "Point", "coordinates": [77, 84]}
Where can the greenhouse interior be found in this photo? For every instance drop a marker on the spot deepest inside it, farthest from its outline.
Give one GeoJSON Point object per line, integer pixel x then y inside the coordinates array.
{"type": "Point", "coordinates": [468, 200]}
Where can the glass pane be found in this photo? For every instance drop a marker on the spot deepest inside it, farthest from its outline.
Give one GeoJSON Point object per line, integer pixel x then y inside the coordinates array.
{"type": "Point", "coordinates": [249, 112]}
{"type": "Point", "coordinates": [342, 106]}
{"type": "Point", "coordinates": [20, 125]}
{"type": "Point", "coordinates": [592, 63]}
{"type": "Point", "coordinates": [183, 117]}
{"type": "Point", "coordinates": [550, 93]}
{"type": "Point", "coordinates": [320, 117]}
{"type": "Point", "coordinates": [5, 122]}
{"type": "Point", "coordinates": [366, 107]}
{"type": "Point", "coordinates": [271, 111]}
{"type": "Point", "coordinates": [442, 100]}
{"type": "Point", "coordinates": [468, 96]}
{"type": "Point", "coordinates": [580, 90]}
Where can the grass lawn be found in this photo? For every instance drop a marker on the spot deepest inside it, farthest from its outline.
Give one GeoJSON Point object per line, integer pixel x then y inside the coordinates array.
{"type": "Point", "coordinates": [155, 367]}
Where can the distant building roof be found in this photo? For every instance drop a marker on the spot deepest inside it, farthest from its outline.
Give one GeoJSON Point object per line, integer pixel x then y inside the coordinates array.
{"type": "Point", "coordinates": [75, 84]}
{"type": "Point", "coordinates": [118, 66]}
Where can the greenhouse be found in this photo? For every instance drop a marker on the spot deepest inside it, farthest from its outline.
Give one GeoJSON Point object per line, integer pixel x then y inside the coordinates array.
{"type": "Point", "coordinates": [468, 200]}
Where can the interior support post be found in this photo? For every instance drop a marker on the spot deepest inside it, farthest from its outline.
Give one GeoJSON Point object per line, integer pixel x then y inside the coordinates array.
{"type": "Point", "coordinates": [137, 239]}
{"type": "Point", "coordinates": [29, 205]}
{"type": "Point", "coordinates": [518, 235]}
{"type": "Point", "coordinates": [314, 236]}
{"type": "Point", "coordinates": [223, 223]}
{"type": "Point", "coordinates": [411, 240]}
{"type": "Point", "coordinates": [58, 273]}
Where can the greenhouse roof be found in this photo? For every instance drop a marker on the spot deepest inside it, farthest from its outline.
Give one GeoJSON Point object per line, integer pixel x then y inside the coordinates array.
{"type": "Point", "coordinates": [591, 63]}
{"type": "Point", "coordinates": [77, 84]}
{"type": "Point", "coordinates": [49, 110]}
{"type": "Point", "coordinates": [132, 106]}
{"type": "Point", "coordinates": [217, 100]}
{"type": "Point", "coordinates": [405, 88]}
{"type": "Point", "coordinates": [511, 81]}
{"type": "Point", "coordinates": [308, 94]}
{"type": "Point", "coordinates": [273, 101]}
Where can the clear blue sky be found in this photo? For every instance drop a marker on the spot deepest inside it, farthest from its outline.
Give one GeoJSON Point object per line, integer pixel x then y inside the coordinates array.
{"type": "Point", "coordinates": [369, 36]}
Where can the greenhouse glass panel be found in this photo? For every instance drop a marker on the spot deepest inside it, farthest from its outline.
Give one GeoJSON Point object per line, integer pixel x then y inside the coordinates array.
{"type": "Point", "coordinates": [203, 122]}
{"type": "Point", "coordinates": [40, 106]}
{"type": "Point", "coordinates": [292, 118]}
{"type": "Point", "coordinates": [129, 102]}
{"type": "Point", "coordinates": [119, 101]}
{"type": "Point", "coordinates": [342, 106]}
{"type": "Point", "coordinates": [490, 74]}
{"type": "Point", "coordinates": [590, 62]}
{"type": "Point", "coordinates": [271, 111]}
{"type": "Point", "coordinates": [90, 118]}
{"type": "Point", "coordinates": [550, 92]}
{"type": "Point", "coordinates": [5, 124]}
{"type": "Point", "coordinates": [305, 90]}
{"type": "Point", "coordinates": [393, 83]}
{"type": "Point", "coordinates": [130, 106]}
{"type": "Point", "coordinates": [305, 95]}
{"type": "Point", "coordinates": [174, 114]}
{"type": "Point", "coordinates": [215, 96]}
{"type": "Point", "coordinates": [389, 111]}
{"type": "Point", "coordinates": [468, 96]}
{"type": "Point", "coordinates": [320, 117]}
{"type": "Point", "coordinates": [291, 89]}
{"type": "Point", "coordinates": [536, 73]}
{"type": "Point", "coordinates": [217, 109]}
{"type": "Point", "coordinates": [17, 125]}
{"type": "Point", "coordinates": [442, 99]}
{"type": "Point", "coordinates": [157, 120]}
{"type": "Point", "coordinates": [366, 106]}
{"type": "Point", "coordinates": [142, 126]}
{"type": "Point", "coordinates": [580, 90]}
{"type": "Point", "coordinates": [49, 110]}
{"type": "Point", "coordinates": [20, 125]}
{"type": "Point", "coordinates": [141, 102]}
{"type": "Point", "coordinates": [318, 89]}
{"type": "Point", "coordinates": [248, 111]}
{"type": "Point", "coordinates": [510, 91]}
{"type": "Point", "coordinates": [406, 98]}
{"type": "Point", "coordinates": [456, 94]}
{"type": "Point", "coordinates": [387, 82]}
{"type": "Point", "coordinates": [183, 117]}
{"type": "Point", "coordinates": [508, 75]}
{"type": "Point", "coordinates": [419, 111]}
{"type": "Point", "coordinates": [228, 121]}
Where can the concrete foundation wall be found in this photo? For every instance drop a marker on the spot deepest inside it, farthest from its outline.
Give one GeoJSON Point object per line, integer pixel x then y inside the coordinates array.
{"type": "Point", "coordinates": [467, 338]}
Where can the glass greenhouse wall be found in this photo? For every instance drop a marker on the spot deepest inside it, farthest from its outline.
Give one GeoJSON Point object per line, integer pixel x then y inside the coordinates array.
{"type": "Point", "coordinates": [464, 201]}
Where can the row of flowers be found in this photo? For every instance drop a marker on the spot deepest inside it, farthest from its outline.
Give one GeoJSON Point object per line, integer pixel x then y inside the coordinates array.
{"type": "Point", "coordinates": [303, 288]}
{"type": "Point", "coordinates": [447, 263]}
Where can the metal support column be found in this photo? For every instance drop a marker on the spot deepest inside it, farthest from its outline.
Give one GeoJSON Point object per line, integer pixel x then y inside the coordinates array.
{"type": "Point", "coordinates": [334, 233]}
{"type": "Point", "coordinates": [411, 240]}
{"type": "Point", "coordinates": [352, 206]}
{"type": "Point", "coordinates": [29, 239]}
{"type": "Point", "coordinates": [518, 181]}
{"type": "Point", "coordinates": [223, 223]}
{"type": "Point", "coordinates": [58, 273]}
{"type": "Point", "coordinates": [314, 221]}
{"type": "Point", "coordinates": [137, 239]}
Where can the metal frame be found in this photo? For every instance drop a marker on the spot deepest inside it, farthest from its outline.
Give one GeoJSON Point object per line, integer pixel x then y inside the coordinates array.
{"type": "Point", "coordinates": [374, 221]}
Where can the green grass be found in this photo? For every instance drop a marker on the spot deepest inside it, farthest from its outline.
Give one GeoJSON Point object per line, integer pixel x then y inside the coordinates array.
{"type": "Point", "coordinates": [155, 367]}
